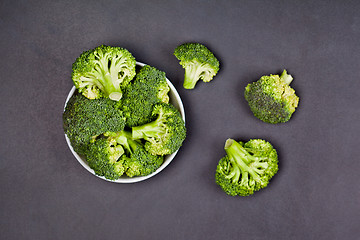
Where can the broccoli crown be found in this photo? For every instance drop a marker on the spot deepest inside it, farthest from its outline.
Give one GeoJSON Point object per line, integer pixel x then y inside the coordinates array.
{"type": "Point", "coordinates": [84, 119]}
{"type": "Point", "coordinates": [139, 162]}
{"type": "Point", "coordinates": [103, 71]}
{"type": "Point", "coordinates": [164, 135]}
{"type": "Point", "coordinates": [104, 157]}
{"type": "Point", "coordinates": [246, 167]}
{"type": "Point", "coordinates": [198, 61]}
{"type": "Point", "coordinates": [148, 88]}
{"type": "Point", "coordinates": [115, 154]}
{"type": "Point", "coordinates": [271, 99]}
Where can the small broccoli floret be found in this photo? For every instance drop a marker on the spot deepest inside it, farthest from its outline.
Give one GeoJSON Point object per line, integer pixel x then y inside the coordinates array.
{"type": "Point", "coordinates": [139, 162]}
{"type": "Point", "coordinates": [166, 134]}
{"type": "Point", "coordinates": [271, 99]}
{"type": "Point", "coordinates": [198, 61]}
{"type": "Point", "coordinates": [148, 88]}
{"type": "Point", "coordinates": [84, 119]}
{"type": "Point", "coordinates": [115, 154]}
{"type": "Point", "coordinates": [104, 157]}
{"type": "Point", "coordinates": [103, 72]}
{"type": "Point", "coordinates": [246, 167]}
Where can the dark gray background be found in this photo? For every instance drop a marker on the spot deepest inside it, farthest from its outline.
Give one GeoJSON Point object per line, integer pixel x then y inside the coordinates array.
{"type": "Point", "coordinates": [47, 194]}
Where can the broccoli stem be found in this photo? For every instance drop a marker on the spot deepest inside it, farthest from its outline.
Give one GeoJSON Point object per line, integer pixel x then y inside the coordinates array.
{"type": "Point", "coordinates": [287, 78]}
{"type": "Point", "coordinates": [115, 153]}
{"type": "Point", "coordinates": [110, 90]}
{"type": "Point", "coordinates": [235, 174]}
{"type": "Point", "coordinates": [123, 138]}
{"type": "Point", "coordinates": [192, 74]}
{"type": "Point", "coordinates": [106, 77]}
{"type": "Point", "coordinates": [241, 158]}
{"type": "Point", "coordinates": [147, 130]}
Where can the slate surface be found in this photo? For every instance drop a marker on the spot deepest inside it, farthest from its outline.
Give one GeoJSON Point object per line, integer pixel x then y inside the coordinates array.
{"type": "Point", "coordinates": [46, 194]}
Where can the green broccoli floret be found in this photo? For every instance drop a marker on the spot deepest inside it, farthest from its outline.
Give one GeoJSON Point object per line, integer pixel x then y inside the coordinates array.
{"type": "Point", "coordinates": [104, 156]}
{"type": "Point", "coordinates": [139, 162]}
{"type": "Point", "coordinates": [116, 154]}
{"type": "Point", "coordinates": [164, 135]}
{"type": "Point", "coordinates": [271, 99]}
{"type": "Point", "coordinates": [246, 167]}
{"type": "Point", "coordinates": [103, 72]}
{"type": "Point", "coordinates": [84, 119]}
{"type": "Point", "coordinates": [198, 61]}
{"type": "Point", "coordinates": [148, 88]}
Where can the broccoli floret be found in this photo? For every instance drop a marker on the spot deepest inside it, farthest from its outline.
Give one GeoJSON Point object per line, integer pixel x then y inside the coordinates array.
{"type": "Point", "coordinates": [103, 72]}
{"type": "Point", "coordinates": [198, 61]}
{"type": "Point", "coordinates": [246, 167]}
{"type": "Point", "coordinates": [116, 154]}
{"type": "Point", "coordinates": [271, 99]}
{"type": "Point", "coordinates": [139, 162]}
{"type": "Point", "coordinates": [164, 135]}
{"type": "Point", "coordinates": [148, 88]}
{"type": "Point", "coordinates": [84, 119]}
{"type": "Point", "coordinates": [104, 156]}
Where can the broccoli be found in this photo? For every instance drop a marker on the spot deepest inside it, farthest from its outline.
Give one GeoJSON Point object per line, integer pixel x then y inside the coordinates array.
{"type": "Point", "coordinates": [247, 167]}
{"type": "Point", "coordinates": [115, 154]}
{"type": "Point", "coordinates": [164, 135]}
{"type": "Point", "coordinates": [198, 61]}
{"type": "Point", "coordinates": [103, 72]}
{"type": "Point", "coordinates": [84, 119]}
{"type": "Point", "coordinates": [139, 162]}
{"type": "Point", "coordinates": [271, 99]}
{"type": "Point", "coordinates": [104, 156]}
{"type": "Point", "coordinates": [148, 88]}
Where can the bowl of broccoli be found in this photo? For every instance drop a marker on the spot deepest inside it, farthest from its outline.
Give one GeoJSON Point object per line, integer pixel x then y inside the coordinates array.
{"type": "Point", "coordinates": [125, 134]}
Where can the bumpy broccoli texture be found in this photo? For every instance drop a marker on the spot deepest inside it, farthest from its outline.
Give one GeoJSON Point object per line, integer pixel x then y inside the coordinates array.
{"type": "Point", "coordinates": [84, 119]}
{"type": "Point", "coordinates": [198, 61]}
{"type": "Point", "coordinates": [99, 123]}
{"type": "Point", "coordinates": [103, 72]}
{"type": "Point", "coordinates": [115, 153]}
{"type": "Point", "coordinates": [271, 99]}
{"type": "Point", "coordinates": [165, 134]}
{"type": "Point", "coordinates": [148, 88]}
{"type": "Point", "coordinates": [247, 167]}
{"type": "Point", "coordinates": [104, 156]}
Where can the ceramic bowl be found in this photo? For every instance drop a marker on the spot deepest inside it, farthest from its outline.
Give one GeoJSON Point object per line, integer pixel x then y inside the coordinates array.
{"type": "Point", "coordinates": [174, 99]}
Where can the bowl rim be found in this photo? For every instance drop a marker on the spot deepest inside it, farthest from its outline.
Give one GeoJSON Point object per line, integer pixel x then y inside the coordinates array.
{"type": "Point", "coordinates": [167, 159]}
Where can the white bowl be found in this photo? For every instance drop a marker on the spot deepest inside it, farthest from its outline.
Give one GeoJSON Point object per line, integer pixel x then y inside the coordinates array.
{"type": "Point", "coordinates": [174, 99]}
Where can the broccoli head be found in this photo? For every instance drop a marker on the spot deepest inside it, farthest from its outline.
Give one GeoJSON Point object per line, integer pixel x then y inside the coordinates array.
{"type": "Point", "coordinates": [103, 72]}
{"type": "Point", "coordinates": [165, 134]}
{"type": "Point", "coordinates": [198, 61]}
{"type": "Point", "coordinates": [116, 154]}
{"type": "Point", "coordinates": [247, 167]}
{"type": "Point", "coordinates": [139, 162]}
{"type": "Point", "coordinates": [271, 99]}
{"type": "Point", "coordinates": [104, 156]}
{"type": "Point", "coordinates": [84, 119]}
{"type": "Point", "coordinates": [148, 88]}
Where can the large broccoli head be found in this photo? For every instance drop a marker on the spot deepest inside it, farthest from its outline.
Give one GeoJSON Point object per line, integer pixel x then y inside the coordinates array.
{"type": "Point", "coordinates": [198, 61]}
{"type": "Point", "coordinates": [84, 119]}
{"type": "Point", "coordinates": [271, 99]}
{"type": "Point", "coordinates": [247, 167]}
{"type": "Point", "coordinates": [164, 135]}
{"type": "Point", "coordinates": [103, 72]}
{"type": "Point", "coordinates": [148, 88]}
